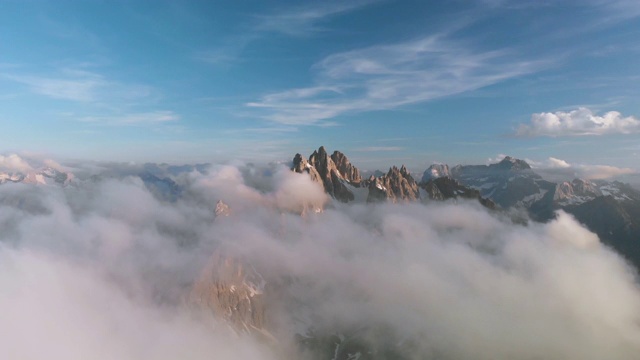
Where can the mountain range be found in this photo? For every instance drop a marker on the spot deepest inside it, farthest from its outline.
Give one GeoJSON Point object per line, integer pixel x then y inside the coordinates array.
{"type": "Point", "coordinates": [611, 209]}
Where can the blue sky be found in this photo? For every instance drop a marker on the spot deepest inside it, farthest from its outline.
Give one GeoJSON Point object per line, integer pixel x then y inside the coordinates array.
{"type": "Point", "coordinates": [386, 82]}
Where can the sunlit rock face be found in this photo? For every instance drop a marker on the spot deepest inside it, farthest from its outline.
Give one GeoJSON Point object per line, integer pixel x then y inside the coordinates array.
{"type": "Point", "coordinates": [340, 179]}
{"type": "Point", "coordinates": [396, 185]}
{"type": "Point", "coordinates": [349, 172]}
{"type": "Point", "coordinates": [322, 169]}
{"type": "Point", "coordinates": [231, 291]}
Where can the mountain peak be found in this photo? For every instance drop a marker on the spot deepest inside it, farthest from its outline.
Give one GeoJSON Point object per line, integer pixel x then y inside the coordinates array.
{"type": "Point", "coordinates": [345, 168]}
{"type": "Point", "coordinates": [511, 163]}
{"type": "Point", "coordinates": [330, 171]}
{"type": "Point", "coordinates": [435, 171]}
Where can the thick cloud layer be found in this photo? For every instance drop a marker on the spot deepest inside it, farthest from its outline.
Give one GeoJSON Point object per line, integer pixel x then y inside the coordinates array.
{"type": "Point", "coordinates": [102, 270]}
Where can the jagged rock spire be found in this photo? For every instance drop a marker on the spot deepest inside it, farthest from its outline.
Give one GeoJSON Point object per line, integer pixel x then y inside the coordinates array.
{"type": "Point", "coordinates": [222, 209]}
{"type": "Point", "coordinates": [396, 185]}
{"type": "Point", "coordinates": [345, 168]}
{"type": "Point", "coordinates": [323, 170]}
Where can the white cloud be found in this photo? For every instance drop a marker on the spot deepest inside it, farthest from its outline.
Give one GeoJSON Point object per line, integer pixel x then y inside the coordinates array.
{"type": "Point", "coordinates": [558, 169]}
{"type": "Point", "coordinates": [388, 76]}
{"type": "Point", "coordinates": [579, 122]}
{"type": "Point", "coordinates": [498, 158]}
{"type": "Point", "coordinates": [602, 171]}
{"type": "Point", "coordinates": [558, 163]}
{"type": "Point", "coordinates": [13, 162]}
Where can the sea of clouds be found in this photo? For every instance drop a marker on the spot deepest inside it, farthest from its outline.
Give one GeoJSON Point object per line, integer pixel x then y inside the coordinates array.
{"type": "Point", "coordinates": [101, 269]}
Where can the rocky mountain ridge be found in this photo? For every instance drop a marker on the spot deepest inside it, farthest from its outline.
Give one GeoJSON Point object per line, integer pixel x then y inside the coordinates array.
{"type": "Point", "coordinates": [611, 209]}
{"type": "Point", "coordinates": [340, 179]}
{"type": "Point", "coordinates": [509, 183]}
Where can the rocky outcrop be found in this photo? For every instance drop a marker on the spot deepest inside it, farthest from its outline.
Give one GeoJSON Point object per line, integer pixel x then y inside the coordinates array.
{"type": "Point", "coordinates": [396, 185]}
{"type": "Point", "coordinates": [445, 188]}
{"type": "Point", "coordinates": [564, 191]}
{"type": "Point", "coordinates": [302, 166]}
{"type": "Point", "coordinates": [348, 171]}
{"type": "Point", "coordinates": [232, 292]}
{"type": "Point", "coordinates": [508, 182]}
{"type": "Point", "coordinates": [222, 209]}
{"type": "Point", "coordinates": [512, 164]}
{"type": "Point", "coordinates": [582, 187]}
{"type": "Point", "coordinates": [322, 169]}
{"type": "Point", "coordinates": [576, 192]}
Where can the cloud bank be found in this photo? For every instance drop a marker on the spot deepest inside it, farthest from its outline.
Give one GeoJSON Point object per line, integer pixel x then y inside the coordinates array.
{"type": "Point", "coordinates": [579, 122]}
{"type": "Point", "coordinates": [101, 270]}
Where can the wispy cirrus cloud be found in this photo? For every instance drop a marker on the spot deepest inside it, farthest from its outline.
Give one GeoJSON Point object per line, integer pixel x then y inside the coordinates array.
{"type": "Point", "coordinates": [118, 103]}
{"type": "Point", "coordinates": [74, 86]}
{"type": "Point", "coordinates": [297, 22]}
{"type": "Point", "coordinates": [579, 122]}
{"type": "Point", "coordinates": [143, 118]}
{"type": "Point", "coordinates": [78, 85]}
{"type": "Point", "coordinates": [389, 76]}
{"type": "Point", "coordinates": [304, 21]}
{"type": "Point", "coordinates": [617, 9]}
{"type": "Point", "coordinates": [379, 148]}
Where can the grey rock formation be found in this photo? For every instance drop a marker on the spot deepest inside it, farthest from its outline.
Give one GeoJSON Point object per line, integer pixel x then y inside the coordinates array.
{"type": "Point", "coordinates": [233, 292]}
{"type": "Point", "coordinates": [582, 187]}
{"type": "Point", "coordinates": [445, 188]}
{"type": "Point", "coordinates": [222, 209]}
{"type": "Point", "coordinates": [302, 166]}
{"type": "Point", "coordinates": [348, 171]}
{"type": "Point", "coordinates": [322, 169]}
{"type": "Point", "coordinates": [508, 183]}
{"type": "Point", "coordinates": [396, 185]}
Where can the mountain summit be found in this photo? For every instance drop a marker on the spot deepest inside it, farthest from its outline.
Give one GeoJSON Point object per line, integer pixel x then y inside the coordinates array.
{"type": "Point", "coordinates": [323, 169]}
